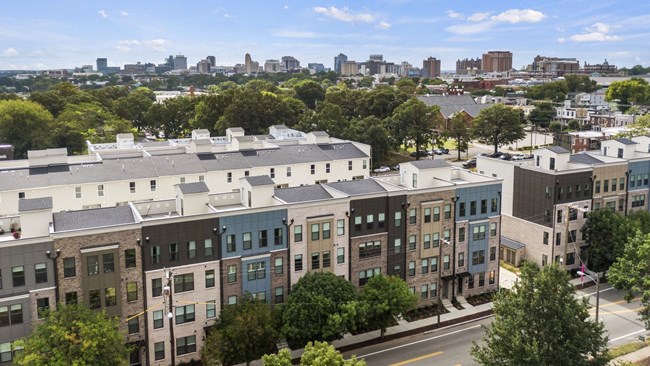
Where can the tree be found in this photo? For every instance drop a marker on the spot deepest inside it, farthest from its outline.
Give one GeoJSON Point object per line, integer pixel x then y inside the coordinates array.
{"type": "Point", "coordinates": [209, 109]}
{"type": "Point", "coordinates": [309, 92]}
{"type": "Point", "coordinates": [316, 354]}
{"type": "Point", "coordinates": [385, 297]}
{"type": "Point", "coordinates": [625, 92]}
{"type": "Point", "coordinates": [74, 335]}
{"type": "Point", "coordinates": [406, 86]}
{"type": "Point", "coordinates": [319, 308]}
{"type": "Point", "coordinates": [244, 333]}
{"type": "Point", "coordinates": [555, 91]}
{"type": "Point", "coordinates": [417, 122]}
{"type": "Point", "coordinates": [580, 83]}
{"type": "Point", "coordinates": [135, 105]}
{"type": "Point", "coordinates": [606, 233]}
{"type": "Point", "coordinates": [542, 115]}
{"type": "Point", "coordinates": [632, 270]}
{"type": "Point", "coordinates": [458, 128]}
{"type": "Point", "coordinates": [25, 125]}
{"type": "Point", "coordinates": [541, 322]}
{"type": "Point", "coordinates": [500, 125]}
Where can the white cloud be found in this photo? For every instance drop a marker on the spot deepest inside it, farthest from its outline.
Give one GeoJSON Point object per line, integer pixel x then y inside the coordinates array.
{"type": "Point", "coordinates": [286, 7]}
{"type": "Point", "coordinates": [519, 16]}
{"type": "Point", "coordinates": [344, 14]}
{"type": "Point", "coordinates": [103, 13]}
{"type": "Point", "coordinates": [158, 44]}
{"type": "Point", "coordinates": [288, 33]}
{"type": "Point", "coordinates": [599, 32]}
{"type": "Point", "coordinates": [561, 39]}
{"type": "Point", "coordinates": [383, 25]}
{"type": "Point", "coordinates": [227, 16]}
{"type": "Point", "coordinates": [477, 17]}
{"type": "Point", "coordinates": [470, 28]}
{"type": "Point", "coordinates": [10, 52]}
{"type": "Point", "coordinates": [454, 15]}
{"type": "Point", "coordinates": [124, 13]}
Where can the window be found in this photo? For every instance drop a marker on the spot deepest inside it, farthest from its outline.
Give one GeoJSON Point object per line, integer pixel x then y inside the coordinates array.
{"type": "Point", "coordinates": [191, 249]}
{"type": "Point", "coordinates": [552, 164]}
{"type": "Point", "coordinates": [69, 269]}
{"type": "Point", "coordinates": [184, 282]}
{"type": "Point", "coordinates": [426, 241]}
{"type": "Point", "coordinates": [349, 164]}
{"type": "Point", "coordinates": [481, 279]}
{"type": "Point", "coordinates": [327, 168]}
{"type": "Point", "coordinates": [572, 236]}
{"type": "Point", "coordinates": [272, 172]}
{"type": "Point", "coordinates": [381, 220]}
{"type": "Point", "coordinates": [570, 259]}
{"type": "Point", "coordinates": [109, 262]}
{"type": "Point", "coordinates": [229, 177]}
{"type": "Point", "coordinates": [364, 276]}
{"type": "Point", "coordinates": [16, 314]}
{"type": "Point", "coordinates": [297, 233]}
{"type": "Point", "coordinates": [327, 259]}
{"type": "Point", "coordinates": [315, 231]}
{"type": "Point", "coordinates": [262, 238]}
{"type": "Point", "coordinates": [461, 259]}
{"type": "Point", "coordinates": [42, 305]}
{"type": "Point", "coordinates": [365, 164]}
{"type": "Point", "coordinates": [559, 216]}
{"type": "Point", "coordinates": [247, 240]}
{"type": "Point", "coordinates": [279, 295]}
{"type": "Point", "coordinates": [461, 209]}
{"type": "Point", "coordinates": [77, 192]}
{"type": "Point", "coordinates": [129, 258]}
{"type": "Point", "coordinates": [40, 272]}
{"type": "Point", "coordinates": [614, 181]}
{"type": "Point", "coordinates": [412, 242]}
{"type": "Point", "coordinates": [100, 190]}
{"type": "Point", "coordinates": [436, 240]}
{"type": "Point", "coordinates": [208, 248]}
{"type": "Point", "coordinates": [357, 222]}
{"type": "Point", "coordinates": [132, 187]}
{"type": "Point", "coordinates": [315, 260]}
{"type": "Point", "coordinates": [231, 246]}
{"type": "Point", "coordinates": [434, 290]}
{"type": "Point", "coordinates": [478, 257]}
{"type": "Point", "coordinates": [472, 208]}
{"type": "Point", "coordinates": [445, 262]}
{"type": "Point", "coordinates": [340, 255]}
{"type": "Point", "coordinates": [173, 252]}
{"type": "Point", "coordinates": [424, 291]}
{"type": "Point", "coordinates": [370, 249]}
{"type": "Point", "coordinates": [493, 229]}
{"type": "Point", "coordinates": [327, 230]}
{"type": "Point", "coordinates": [18, 276]}
{"type": "Point", "coordinates": [412, 216]}
{"type": "Point", "coordinates": [182, 180]}
{"type": "Point", "coordinates": [110, 296]}
{"type": "Point", "coordinates": [277, 235]}
{"type": "Point", "coordinates": [340, 227]}
{"type": "Point", "coordinates": [412, 268]}
{"type": "Point", "coordinates": [232, 300]}
{"type": "Point", "coordinates": [232, 274]}
{"type": "Point", "coordinates": [159, 350]}
{"type": "Point", "coordinates": [446, 236]}
{"type": "Point", "coordinates": [638, 200]}
{"type": "Point", "coordinates": [155, 254]}
{"type": "Point", "coordinates": [425, 266]}
{"type": "Point", "coordinates": [279, 265]}
{"type": "Point", "coordinates": [133, 325]}
{"type": "Point", "coordinates": [398, 218]}
{"type": "Point", "coordinates": [414, 180]}
{"type": "Point", "coordinates": [71, 298]}
{"type": "Point", "coordinates": [597, 186]}
{"type": "Point", "coordinates": [158, 321]}
{"type": "Point", "coordinates": [495, 205]}
{"type": "Point", "coordinates": [4, 316]}
{"type": "Point", "coordinates": [483, 206]}
{"type": "Point", "coordinates": [478, 232]}
{"type": "Point", "coordinates": [211, 309]}
{"type": "Point", "coordinates": [606, 185]}
{"type": "Point", "coordinates": [461, 234]}
{"type": "Point", "coordinates": [184, 314]}
{"type": "Point", "coordinates": [185, 345]}
{"type": "Point", "coordinates": [491, 277]}
{"type": "Point", "coordinates": [434, 264]}
{"type": "Point", "coordinates": [93, 265]}
{"type": "Point", "coordinates": [288, 171]}
{"type": "Point", "coordinates": [370, 220]}
{"type": "Point", "coordinates": [5, 352]}
{"type": "Point", "coordinates": [427, 214]}
{"type": "Point", "coordinates": [558, 238]}
{"type": "Point", "coordinates": [156, 287]}
{"type": "Point", "coordinates": [209, 278]}
{"type": "Point", "coordinates": [152, 185]}
{"type": "Point", "coordinates": [470, 282]}
{"type": "Point", "coordinates": [313, 169]}
{"type": "Point", "coordinates": [297, 262]}
{"type": "Point", "coordinates": [256, 271]}
{"type": "Point", "coordinates": [545, 238]}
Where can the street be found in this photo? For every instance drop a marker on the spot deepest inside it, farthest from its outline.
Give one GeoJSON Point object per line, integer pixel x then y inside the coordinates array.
{"type": "Point", "coordinates": [450, 346]}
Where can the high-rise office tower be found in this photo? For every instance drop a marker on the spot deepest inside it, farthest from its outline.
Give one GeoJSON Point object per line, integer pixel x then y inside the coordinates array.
{"type": "Point", "coordinates": [102, 64]}
{"type": "Point", "coordinates": [248, 63]}
{"type": "Point", "coordinates": [180, 62]}
{"type": "Point", "coordinates": [338, 62]}
{"type": "Point", "coordinates": [213, 61]}
{"type": "Point", "coordinates": [431, 68]}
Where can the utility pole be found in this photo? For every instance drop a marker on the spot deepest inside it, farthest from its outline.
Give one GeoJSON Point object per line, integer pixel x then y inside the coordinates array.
{"type": "Point", "coordinates": [167, 292]}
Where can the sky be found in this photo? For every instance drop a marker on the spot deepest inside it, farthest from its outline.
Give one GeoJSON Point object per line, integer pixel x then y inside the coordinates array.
{"type": "Point", "coordinates": [43, 34]}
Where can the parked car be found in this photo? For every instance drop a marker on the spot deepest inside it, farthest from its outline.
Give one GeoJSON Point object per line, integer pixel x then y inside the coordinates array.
{"type": "Point", "coordinates": [518, 157]}
{"type": "Point", "coordinates": [396, 167]}
{"type": "Point", "coordinates": [505, 156]}
{"type": "Point", "coordinates": [471, 163]}
{"type": "Point", "coordinates": [421, 154]}
{"type": "Point", "coordinates": [382, 169]}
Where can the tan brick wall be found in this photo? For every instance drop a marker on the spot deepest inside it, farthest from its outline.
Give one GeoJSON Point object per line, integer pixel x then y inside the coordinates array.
{"type": "Point", "coordinates": [367, 263]}
{"type": "Point", "coordinates": [234, 288]}
{"type": "Point", "coordinates": [279, 280]}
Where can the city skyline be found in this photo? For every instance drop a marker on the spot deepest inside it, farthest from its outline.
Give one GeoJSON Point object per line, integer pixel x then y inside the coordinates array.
{"type": "Point", "coordinates": [76, 33]}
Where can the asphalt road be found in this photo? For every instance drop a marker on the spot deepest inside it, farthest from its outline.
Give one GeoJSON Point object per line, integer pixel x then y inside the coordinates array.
{"type": "Point", "coordinates": [450, 346]}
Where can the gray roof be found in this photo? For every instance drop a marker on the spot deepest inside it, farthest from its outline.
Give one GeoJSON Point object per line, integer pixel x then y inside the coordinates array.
{"type": "Point", "coordinates": [178, 164]}
{"type": "Point", "coordinates": [558, 149]}
{"type": "Point", "coordinates": [244, 138]}
{"type": "Point", "coordinates": [92, 218]}
{"type": "Point", "coordinates": [430, 163]}
{"type": "Point", "coordinates": [626, 141]}
{"type": "Point", "coordinates": [189, 188]}
{"type": "Point", "coordinates": [236, 129]}
{"type": "Point", "coordinates": [303, 194]}
{"type": "Point", "coordinates": [512, 244]}
{"type": "Point", "coordinates": [320, 133]}
{"type": "Point", "coordinates": [345, 150]}
{"type": "Point", "coordinates": [202, 142]}
{"type": "Point", "coordinates": [584, 159]}
{"type": "Point", "coordinates": [357, 187]}
{"type": "Point", "coordinates": [259, 180]}
{"type": "Point", "coordinates": [34, 204]}
{"type": "Point", "coordinates": [450, 104]}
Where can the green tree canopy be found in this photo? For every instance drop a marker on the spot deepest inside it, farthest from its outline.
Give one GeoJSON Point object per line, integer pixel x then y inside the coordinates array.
{"type": "Point", "coordinates": [541, 322]}
{"type": "Point", "coordinates": [309, 92]}
{"type": "Point", "coordinates": [580, 83]}
{"type": "Point", "coordinates": [500, 125]}
{"type": "Point", "coordinates": [243, 333]}
{"type": "Point", "coordinates": [555, 91]}
{"type": "Point", "coordinates": [318, 309]}
{"type": "Point", "coordinates": [385, 297]}
{"type": "Point", "coordinates": [606, 233]}
{"type": "Point", "coordinates": [626, 92]}
{"type": "Point", "coordinates": [459, 129]}
{"type": "Point", "coordinates": [415, 123]}
{"type": "Point", "coordinates": [542, 115]}
{"type": "Point", "coordinates": [74, 335]}
{"type": "Point", "coordinates": [315, 354]}
{"type": "Point", "coordinates": [135, 105]}
{"type": "Point", "coordinates": [25, 125]}
{"type": "Point", "coordinates": [209, 109]}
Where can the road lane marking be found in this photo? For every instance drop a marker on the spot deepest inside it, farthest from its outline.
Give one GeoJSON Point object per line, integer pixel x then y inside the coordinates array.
{"type": "Point", "coordinates": [593, 293]}
{"type": "Point", "coordinates": [417, 359]}
{"type": "Point", "coordinates": [420, 341]}
{"type": "Point", "coordinates": [593, 311]}
{"type": "Point", "coordinates": [612, 303]}
{"type": "Point", "coordinates": [627, 335]}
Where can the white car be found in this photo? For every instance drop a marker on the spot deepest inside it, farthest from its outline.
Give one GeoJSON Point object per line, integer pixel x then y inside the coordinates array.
{"type": "Point", "coordinates": [518, 157]}
{"type": "Point", "coordinates": [382, 169]}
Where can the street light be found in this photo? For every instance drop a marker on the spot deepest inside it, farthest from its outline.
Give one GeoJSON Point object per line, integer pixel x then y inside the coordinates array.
{"type": "Point", "coordinates": [597, 280]}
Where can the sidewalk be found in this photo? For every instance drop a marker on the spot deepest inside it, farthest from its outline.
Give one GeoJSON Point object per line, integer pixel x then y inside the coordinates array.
{"type": "Point", "coordinates": [636, 356]}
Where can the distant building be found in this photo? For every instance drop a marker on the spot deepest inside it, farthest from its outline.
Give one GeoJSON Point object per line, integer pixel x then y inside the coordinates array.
{"type": "Point", "coordinates": [605, 67]}
{"type": "Point", "coordinates": [212, 60]}
{"type": "Point", "coordinates": [379, 58]}
{"type": "Point", "coordinates": [102, 63]}
{"type": "Point", "coordinates": [497, 61]}
{"type": "Point", "coordinates": [272, 66]}
{"type": "Point", "coordinates": [290, 63]}
{"type": "Point", "coordinates": [248, 61]}
{"type": "Point", "coordinates": [137, 68]}
{"type": "Point", "coordinates": [468, 66]}
{"type": "Point", "coordinates": [180, 62]}
{"type": "Point", "coordinates": [431, 68]}
{"type": "Point", "coordinates": [338, 62]}
{"type": "Point", "coordinates": [203, 67]}
{"type": "Point", "coordinates": [317, 67]}
{"type": "Point", "coordinates": [555, 66]}
{"type": "Point", "coordinates": [349, 68]}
